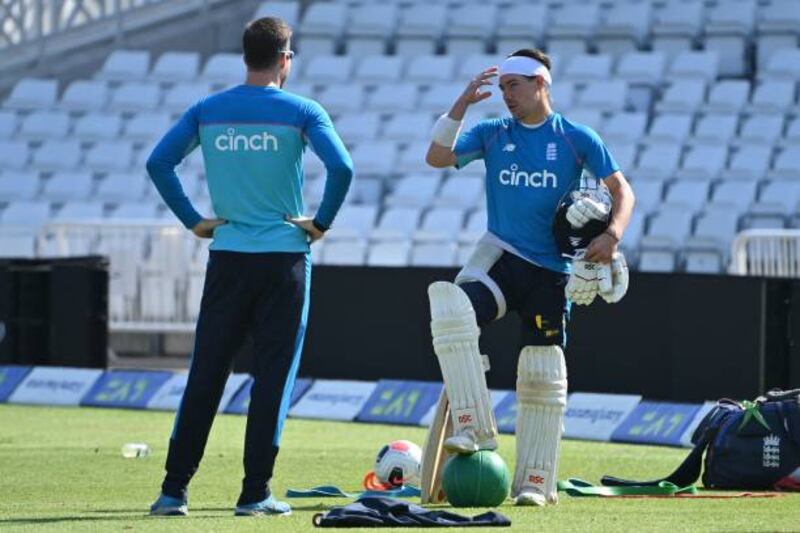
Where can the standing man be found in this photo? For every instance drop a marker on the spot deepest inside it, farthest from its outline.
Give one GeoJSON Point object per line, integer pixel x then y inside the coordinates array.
{"type": "Point", "coordinates": [259, 269]}
{"type": "Point", "coordinates": [534, 159]}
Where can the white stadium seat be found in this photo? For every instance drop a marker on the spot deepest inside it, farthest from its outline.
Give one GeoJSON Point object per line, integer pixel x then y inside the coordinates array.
{"type": "Point", "coordinates": [461, 191]}
{"type": "Point", "coordinates": [321, 28]}
{"type": "Point", "coordinates": [25, 214]}
{"type": "Point", "coordinates": [608, 95]}
{"type": "Point", "coordinates": [96, 126]}
{"type": "Point", "coordinates": [57, 155]}
{"type": "Point", "coordinates": [715, 129]}
{"type": "Point", "coordinates": [358, 126]}
{"type": "Point", "coordinates": [419, 29]}
{"type": "Point", "coordinates": [344, 252]}
{"type": "Point", "coordinates": [84, 95]}
{"type": "Point", "coordinates": [736, 195]}
{"type": "Point", "coordinates": [470, 27]}
{"type": "Point", "coordinates": [109, 156]}
{"type": "Point", "coordinates": [587, 67]}
{"type": "Point", "coordinates": [772, 96]}
{"type": "Point", "coordinates": [623, 27]}
{"type": "Point", "coordinates": [176, 67]}
{"type": "Point", "coordinates": [377, 157]}
{"type": "Point", "coordinates": [780, 196]}
{"type": "Point", "coordinates": [439, 97]}
{"type": "Point", "coordinates": [369, 28]}
{"type": "Point", "coordinates": [342, 97]}
{"type": "Point", "coordinates": [43, 125]}
{"type": "Point", "coordinates": [125, 65]}
{"type": "Point", "coordinates": [135, 97]}
{"type": "Point", "coordinates": [642, 68]}
{"type": "Point", "coordinates": [690, 195]}
{"type": "Point", "coordinates": [728, 30]}
{"type": "Point", "coordinates": [430, 68]}
{"type": "Point", "coordinates": [440, 224]}
{"type": "Point", "coordinates": [648, 195]}
{"type": "Point", "coordinates": [66, 186]}
{"type": "Point", "coordinates": [657, 162]}
{"type": "Point", "coordinates": [396, 223]}
{"type": "Point", "coordinates": [625, 127]}
{"type": "Point", "coordinates": [414, 190]}
{"type": "Point", "coordinates": [668, 228]}
{"type": "Point", "coordinates": [16, 185]}
{"type": "Point", "coordinates": [727, 96]}
{"type": "Point", "coordinates": [761, 129]}
{"type": "Point", "coordinates": [682, 96]}
{"type": "Point", "coordinates": [121, 187]}
{"type": "Point", "coordinates": [749, 163]}
{"type": "Point", "coordinates": [394, 97]}
{"type": "Point", "coordinates": [183, 95]}
{"type": "Point", "coordinates": [777, 27]}
{"type": "Point", "coordinates": [8, 124]}
{"type": "Point", "coordinates": [353, 221]}
{"type": "Point", "coordinates": [389, 253]}
{"type": "Point", "coordinates": [14, 154]}
{"type": "Point", "coordinates": [702, 262]}
{"type": "Point", "coordinates": [656, 261]}
{"type": "Point", "coordinates": [329, 69]}
{"type": "Point", "coordinates": [783, 64]}
{"type": "Point", "coordinates": [412, 159]}
{"type": "Point", "coordinates": [286, 10]}
{"type": "Point", "coordinates": [787, 165]}
{"type": "Point", "coordinates": [715, 229]}
{"type": "Point", "coordinates": [32, 94]}
{"type": "Point", "coordinates": [571, 27]}
{"type": "Point", "coordinates": [441, 254]}
{"type": "Point", "coordinates": [224, 68]}
{"type": "Point", "coordinates": [520, 25]}
{"type": "Point", "coordinates": [79, 211]}
{"type": "Point", "coordinates": [669, 128]}
{"type": "Point", "coordinates": [676, 26]}
{"type": "Point", "coordinates": [409, 127]}
{"type": "Point", "coordinates": [379, 69]}
{"type": "Point", "coordinates": [704, 162]}
{"type": "Point", "coordinates": [692, 64]}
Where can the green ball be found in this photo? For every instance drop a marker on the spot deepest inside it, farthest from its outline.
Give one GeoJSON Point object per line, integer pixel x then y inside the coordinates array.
{"type": "Point", "coordinates": [479, 479]}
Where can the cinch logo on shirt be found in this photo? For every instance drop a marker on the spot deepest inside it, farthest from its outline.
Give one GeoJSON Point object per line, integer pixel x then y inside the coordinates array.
{"type": "Point", "coordinates": [520, 178]}
{"type": "Point", "coordinates": [259, 142]}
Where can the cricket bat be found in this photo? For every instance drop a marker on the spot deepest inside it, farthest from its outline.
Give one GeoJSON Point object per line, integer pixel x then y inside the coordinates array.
{"type": "Point", "coordinates": [434, 455]}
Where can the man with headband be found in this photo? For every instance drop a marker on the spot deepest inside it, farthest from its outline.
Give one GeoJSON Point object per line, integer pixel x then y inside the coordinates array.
{"type": "Point", "coordinates": [533, 159]}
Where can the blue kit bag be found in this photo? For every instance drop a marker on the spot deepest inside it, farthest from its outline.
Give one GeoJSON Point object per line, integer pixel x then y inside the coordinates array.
{"type": "Point", "coordinates": [747, 446]}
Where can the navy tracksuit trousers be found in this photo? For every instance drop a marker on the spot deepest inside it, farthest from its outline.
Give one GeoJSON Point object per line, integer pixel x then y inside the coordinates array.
{"type": "Point", "coordinates": [264, 295]}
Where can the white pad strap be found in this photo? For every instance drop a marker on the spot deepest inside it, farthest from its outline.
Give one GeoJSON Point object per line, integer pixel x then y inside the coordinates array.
{"type": "Point", "coordinates": [446, 130]}
{"type": "Point", "coordinates": [541, 401]}
{"type": "Point", "coordinates": [455, 341]}
{"type": "Point", "coordinates": [482, 259]}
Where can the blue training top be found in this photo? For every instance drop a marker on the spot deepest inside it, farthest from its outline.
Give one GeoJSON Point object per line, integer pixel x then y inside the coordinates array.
{"type": "Point", "coordinates": [253, 139]}
{"type": "Point", "coordinates": [528, 170]}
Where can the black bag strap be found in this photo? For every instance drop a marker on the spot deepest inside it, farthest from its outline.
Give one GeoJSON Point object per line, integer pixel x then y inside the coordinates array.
{"type": "Point", "coordinates": [689, 470]}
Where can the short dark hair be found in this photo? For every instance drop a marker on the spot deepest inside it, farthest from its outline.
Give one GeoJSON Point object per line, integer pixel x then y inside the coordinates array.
{"type": "Point", "coordinates": [263, 41]}
{"type": "Point", "coordinates": [533, 53]}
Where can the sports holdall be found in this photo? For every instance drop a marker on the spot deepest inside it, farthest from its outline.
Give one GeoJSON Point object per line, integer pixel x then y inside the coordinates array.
{"type": "Point", "coordinates": [747, 446]}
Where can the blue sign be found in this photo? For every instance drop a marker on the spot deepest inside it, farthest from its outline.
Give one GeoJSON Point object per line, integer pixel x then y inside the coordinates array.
{"type": "Point", "coordinates": [656, 423]}
{"type": "Point", "coordinates": [400, 402]}
{"type": "Point", "coordinates": [506, 413]}
{"type": "Point", "coordinates": [10, 377]}
{"type": "Point", "coordinates": [125, 388]}
{"type": "Point", "coordinates": [241, 401]}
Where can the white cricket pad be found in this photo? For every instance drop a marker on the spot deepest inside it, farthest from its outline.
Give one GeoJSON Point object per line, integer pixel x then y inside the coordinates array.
{"type": "Point", "coordinates": [455, 341]}
{"type": "Point", "coordinates": [541, 401]}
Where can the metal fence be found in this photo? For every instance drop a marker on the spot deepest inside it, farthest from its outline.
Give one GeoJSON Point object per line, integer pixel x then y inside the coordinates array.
{"type": "Point", "coordinates": [766, 252]}
{"type": "Point", "coordinates": [157, 269]}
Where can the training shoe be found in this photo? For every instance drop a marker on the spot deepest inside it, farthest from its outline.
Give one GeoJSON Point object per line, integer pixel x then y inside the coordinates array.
{"type": "Point", "coordinates": [169, 506]}
{"type": "Point", "coordinates": [270, 506]}
{"type": "Point", "coordinates": [534, 498]}
{"type": "Point", "coordinates": [465, 444]}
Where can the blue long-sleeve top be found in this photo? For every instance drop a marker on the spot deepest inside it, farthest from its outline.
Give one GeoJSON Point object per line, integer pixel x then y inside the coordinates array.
{"type": "Point", "coordinates": [252, 139]}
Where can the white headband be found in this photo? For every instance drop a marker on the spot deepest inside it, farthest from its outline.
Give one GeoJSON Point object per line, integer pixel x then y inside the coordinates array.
{"type": "Point", "coordinates": [525, 66]}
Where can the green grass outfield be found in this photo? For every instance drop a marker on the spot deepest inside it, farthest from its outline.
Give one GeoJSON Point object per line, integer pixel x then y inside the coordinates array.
{"type": "Point", "coordinates": [61, 470]}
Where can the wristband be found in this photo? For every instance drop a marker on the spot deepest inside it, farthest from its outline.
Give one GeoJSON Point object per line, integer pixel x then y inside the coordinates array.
{"type": "Point", "coordinates": [610, 234]}
{"type": "Point", "coordinates": [445, 131]}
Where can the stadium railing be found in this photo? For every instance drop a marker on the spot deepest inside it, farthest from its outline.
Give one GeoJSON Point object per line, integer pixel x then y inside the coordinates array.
{"type": "Point", "coordinates": [766, 252]}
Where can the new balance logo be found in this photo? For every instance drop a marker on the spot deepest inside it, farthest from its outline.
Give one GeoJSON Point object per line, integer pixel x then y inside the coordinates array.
{"type": "Point", "coordinates": [258, 142]}
{"type": "Point", "coordinates": [510, 147]}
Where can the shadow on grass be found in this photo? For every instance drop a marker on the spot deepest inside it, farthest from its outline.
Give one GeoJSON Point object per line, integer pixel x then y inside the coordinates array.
{"type": "Point", "coordinates": [140, 514]}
